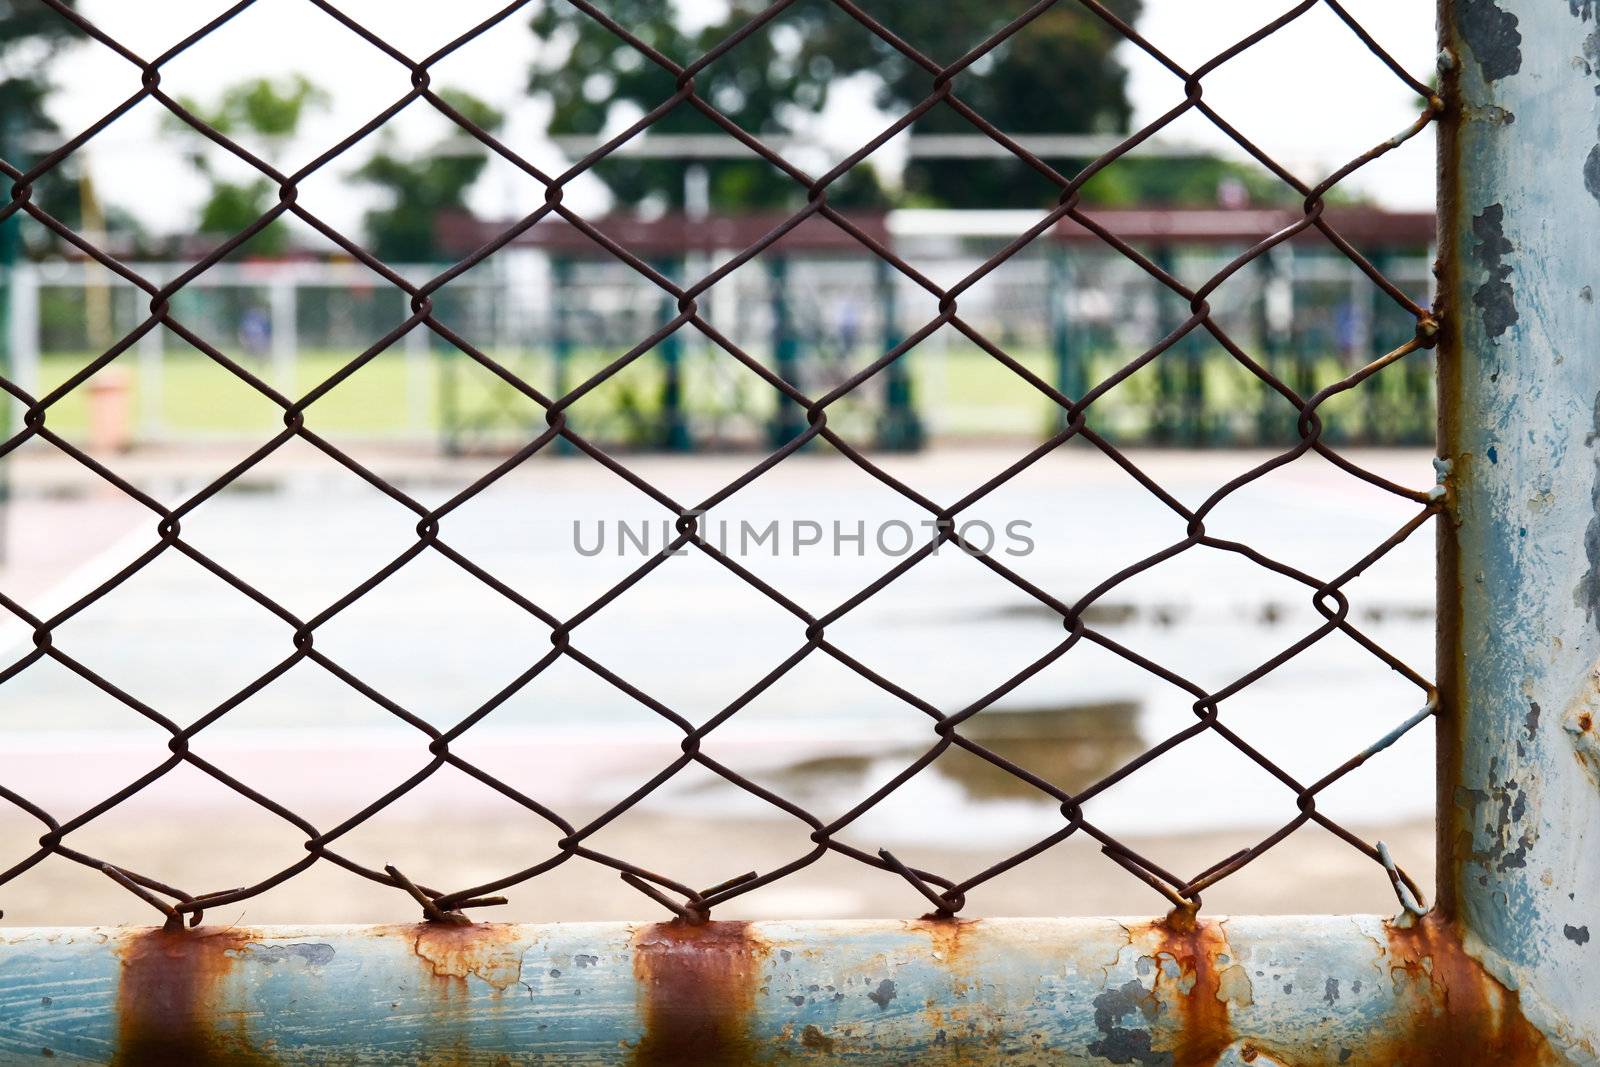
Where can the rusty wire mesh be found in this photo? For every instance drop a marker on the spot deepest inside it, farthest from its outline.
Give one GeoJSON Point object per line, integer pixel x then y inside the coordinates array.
{"type": "Point", "coordinates": [946, 894]}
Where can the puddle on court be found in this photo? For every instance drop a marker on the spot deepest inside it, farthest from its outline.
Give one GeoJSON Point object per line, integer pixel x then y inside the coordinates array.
{"type": "Point", "coordinates": [1071, 747]}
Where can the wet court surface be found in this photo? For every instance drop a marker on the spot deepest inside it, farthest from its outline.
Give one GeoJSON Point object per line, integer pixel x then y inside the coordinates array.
{"type": "Point", "coordinates": [693, 637]}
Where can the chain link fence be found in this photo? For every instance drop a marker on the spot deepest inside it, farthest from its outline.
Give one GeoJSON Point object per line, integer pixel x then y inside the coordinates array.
{"type": "Point", "coordinates": [810, 408]}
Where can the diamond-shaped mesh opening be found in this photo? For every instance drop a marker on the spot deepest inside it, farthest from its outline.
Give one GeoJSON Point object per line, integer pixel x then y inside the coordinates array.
{"type": "Point", "coordinates": [661, 351]}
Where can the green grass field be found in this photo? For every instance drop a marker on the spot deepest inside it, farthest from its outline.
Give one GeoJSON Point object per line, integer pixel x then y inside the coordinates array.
{"type": "Point", "coordinates": [960, 392]}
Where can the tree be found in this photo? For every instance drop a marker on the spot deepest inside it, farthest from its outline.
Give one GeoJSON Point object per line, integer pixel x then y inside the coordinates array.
{"type": "Point", "coordinates": [593, 79]}
{"type": "Point", "coordinates": [422, 189]}
{"type": "Point", "coordinates": [262, 108]}
{"type": "Point", "coordinates": [1058, 74]}
{"type": "Point", "coordinates": [30, 36]}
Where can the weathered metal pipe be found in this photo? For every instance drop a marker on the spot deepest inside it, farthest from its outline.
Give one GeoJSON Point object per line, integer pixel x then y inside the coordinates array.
{"type": "Point", "coordinates": [1519, 636]}
{"type": "Point", "coordinates": [1351, 990]}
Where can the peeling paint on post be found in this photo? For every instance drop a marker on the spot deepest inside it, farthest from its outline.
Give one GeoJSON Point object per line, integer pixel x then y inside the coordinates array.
{"type": "Point", "coordinates": [1519, 806]}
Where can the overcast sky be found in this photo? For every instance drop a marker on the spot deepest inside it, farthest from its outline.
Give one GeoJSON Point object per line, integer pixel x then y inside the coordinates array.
{"type": "Point", "coordinates": [1312, 95]}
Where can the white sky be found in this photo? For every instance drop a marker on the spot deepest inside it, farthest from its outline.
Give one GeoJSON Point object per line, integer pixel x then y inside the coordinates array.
{"type": "Point", "coordinates": [1311, 95]}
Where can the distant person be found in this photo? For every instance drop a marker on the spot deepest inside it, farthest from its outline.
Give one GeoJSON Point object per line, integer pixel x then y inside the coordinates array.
{"type": "Point", "coordinates": [847, 325]}
{"type": "Point", "coordinates": [255, 332]}
{"type": "Point", "coordinates": [1232, 194]}
{"type": "Point", "coordinates": [1347, 330]}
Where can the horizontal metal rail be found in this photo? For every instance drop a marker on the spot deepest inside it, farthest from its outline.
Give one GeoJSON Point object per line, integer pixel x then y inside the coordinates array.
{"type": "Point", "coordinates": [1351, 990]}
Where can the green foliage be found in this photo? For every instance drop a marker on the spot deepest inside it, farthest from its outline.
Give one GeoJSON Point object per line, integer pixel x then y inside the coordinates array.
{"type": "Point", "coordinates": [232, 206]}
{"type": "Point", "coordinates": [30, 35]}
{"type": "Point", "coordinates": [1183, 182]}
{"type": "Point", "coordinates": [268, 108]}
{"type": "Point", "coordinates": [594, 80]}
{"type": "Point", "coordinates": [420, 190]}
{"type": "Point", "coordinates": [1058, 74]}
{"type": "Point", "coordinates": [264, 108]}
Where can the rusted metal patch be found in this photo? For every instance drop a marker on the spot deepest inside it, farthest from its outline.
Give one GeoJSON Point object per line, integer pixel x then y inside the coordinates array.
{"type": "Point", "coordinates": [946, 934]}
{"type": "Point", "coordinates": [697, 993]}
{"type": "Point", "coordinates": [1456, 1011]}
{"type": "Point", "coordinates": [1581, 723]}
{"type": "Point", "coordinates": [1197, 979]}
{"type": "Point", "coordinates": [170, 1010]}
{"type": "Point", "coordinates": [489, 952]}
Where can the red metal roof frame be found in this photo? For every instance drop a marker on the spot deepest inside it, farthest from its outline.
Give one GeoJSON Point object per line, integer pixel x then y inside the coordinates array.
{"type": "Point", "coordinates": [672, 234]}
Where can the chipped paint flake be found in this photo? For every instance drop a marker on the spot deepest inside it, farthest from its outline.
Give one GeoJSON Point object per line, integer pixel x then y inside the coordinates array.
{"type": "Point", "coordinates": [1494, 297]}
{"type": "Point", "coordinates": [1493, 36]}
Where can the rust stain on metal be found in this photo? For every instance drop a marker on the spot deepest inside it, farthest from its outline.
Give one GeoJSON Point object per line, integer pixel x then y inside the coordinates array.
{"type": "Point", "coordinates": [169, 1010]}
{"type": "Point", "coordinates": [1191, 956]}
{"type": "Point", "coordinates": [490, 952]}
{"type": "Point", "coordinates": [1459, 1013]}
{"type": "Point", "coordinates": [1578, 722]}
{"type": "Point", "coordinates": [946, 936]}
{"type": "Point", "coordinates": [953, 1022]}
{"type": "Point", "coordinates": [813, 1038]}
{"type": "Point", "coordinates": [1453, 432]}
{"type": "Point", "coordinates": [697, 990]}
{"type": "Point", "coordinates": [456, 956]}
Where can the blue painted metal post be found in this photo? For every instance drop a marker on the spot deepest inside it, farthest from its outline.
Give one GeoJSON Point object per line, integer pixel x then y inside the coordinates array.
{"type": "Point", "coordinates": [1180, 410]}
{"type": "Point", "coordinates": [673, 430]}
{"type": "Point", "coordinates": [788, 421]}
{"type": "Point", "coordinates": [1519, 741]}
{"type": "Point", "coordinates": [561, 296]}
{"type": "Point", "coordinates": [1071, 371]}
{"type": "Point", "coordinates": [1383, 412]}
{"type": "Point", "coordinates": [11, 140]}
{"type": "Point", "coordinates": [1275, 419]}
{"type": "Point", "coordinates": [900, 427]}
{"type": "Point", "coordinates": [454, 419]}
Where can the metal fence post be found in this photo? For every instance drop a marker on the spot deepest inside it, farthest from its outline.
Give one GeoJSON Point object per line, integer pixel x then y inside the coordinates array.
{"type": "Point", "coordinates": [788, 421]}
{"type": "Point", "coordinates": [900, 427]}
{"type": "Point", "coordinates": [560, 294]}
{"type": "Point", "coordinates": [1274, 328]}
{"type": "Point", "coordinates": [282, 300]}
{"type": "Point", "coordinates": [1519, 595]}
{"type": "Point", "coordinates": [22, 325]}
{"type": "Point", "coordinates": [1071, 373]}
{"type": "Point", "coordinates": [151, 367]}
{"type": "Point", "coordinates": [673, 431]}
{"type": "Point", "coordinates": [1166, 414]}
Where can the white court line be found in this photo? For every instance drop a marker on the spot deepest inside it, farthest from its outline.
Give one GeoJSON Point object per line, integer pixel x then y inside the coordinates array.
{"type": "Point", "coordinates": [76, 583]}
